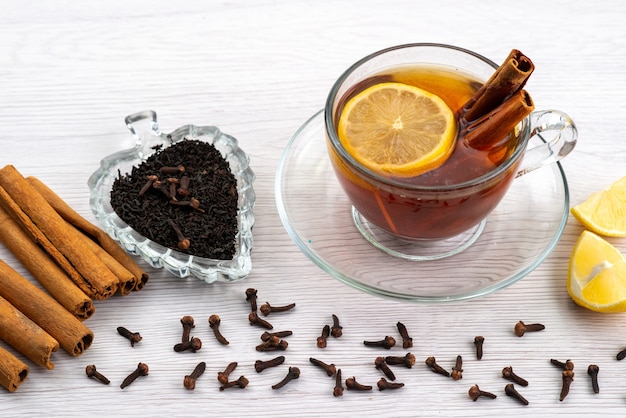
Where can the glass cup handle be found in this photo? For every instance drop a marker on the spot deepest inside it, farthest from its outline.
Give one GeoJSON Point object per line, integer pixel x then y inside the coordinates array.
{"type": "Point", "coordinates": [559, 134]}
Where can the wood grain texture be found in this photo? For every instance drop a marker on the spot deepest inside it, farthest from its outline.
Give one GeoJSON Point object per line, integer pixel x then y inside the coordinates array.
{"type": "Point", "coordinates": [70, 73]}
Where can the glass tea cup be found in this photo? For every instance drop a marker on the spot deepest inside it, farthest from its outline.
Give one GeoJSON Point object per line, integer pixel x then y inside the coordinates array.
{"type": "Point", "coordinates": [442, 216]}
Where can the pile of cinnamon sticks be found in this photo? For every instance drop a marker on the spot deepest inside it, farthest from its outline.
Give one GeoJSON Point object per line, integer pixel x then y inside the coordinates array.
{"type": "Point", "coordinates": [72, 259]}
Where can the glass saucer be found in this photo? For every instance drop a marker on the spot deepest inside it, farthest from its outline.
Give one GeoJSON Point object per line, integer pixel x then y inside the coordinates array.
{"type": "Point", "coordinates": [517, 236]}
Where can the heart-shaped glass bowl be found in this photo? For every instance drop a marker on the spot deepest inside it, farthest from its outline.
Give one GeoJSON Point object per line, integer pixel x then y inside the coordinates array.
{"type": "Point", "coordinates": [145, 129]}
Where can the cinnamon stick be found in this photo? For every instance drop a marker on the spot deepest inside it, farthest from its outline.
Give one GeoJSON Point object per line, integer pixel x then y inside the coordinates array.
{"type": "Point", "coordinates": [127, 281]}
{"type": "Point", "coordinates": [17, 330]}
{"type": "Point", "coordinates": [492, 113]}
{"type": "Point", "coordinates": [73, 336]}
{"type": "Point", "coordinates": [44, 269]}
{"type": "Point", "coordinates": [492, 130]}
{"type": "Point", "coordinates": [92, 231]}
{"type": "Point", "coordinates": [510, 77]}
{"type": "Point", "coordinates": [12, 371]}
{"type": "Point", "coordinates": [22, 219]}
{"type": "Point", "coordinates": [35, 215]}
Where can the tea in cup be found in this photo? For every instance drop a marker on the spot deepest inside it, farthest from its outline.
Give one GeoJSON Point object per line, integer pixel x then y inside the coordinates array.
{"type": "Point", "coordinates": [450, 192]}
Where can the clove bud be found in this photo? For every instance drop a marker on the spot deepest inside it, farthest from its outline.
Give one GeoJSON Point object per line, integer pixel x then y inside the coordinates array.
{"type": "Point", "coordinates": [383, 384]}
{"type": "Point", "coordinates": [432, 364]}
{"type": "Point", "coordinates": [214, 324]}
{"type": "Point", "coordinates": [521, 328]}
{"type": "Point", "coordinates": [386, 343]}
{"type": "Point", "coordinates": [294, 373]}
{"type": "Point", "coordinates": [407, 341]}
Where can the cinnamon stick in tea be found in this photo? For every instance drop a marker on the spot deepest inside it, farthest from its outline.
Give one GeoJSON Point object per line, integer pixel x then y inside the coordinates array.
{"type": "Point", "coordinates": [492, 130]}
{"type": "Point", "coordinates": [73, 336]}
{"type": "Point", "coordinates": [35, 214]}
{"type": "Point", "coordinates": [13, 371]}
{"type": "Point", "coordinates": [91, 230]}
{"type": "Point", "coordinates": [509, 78]}
{"type": "Point", "coordinates": [491, 114]}
{"type": "Point", "coordinates": [17, 330]}
{"type": "Point", "coordinates": [44, 269]}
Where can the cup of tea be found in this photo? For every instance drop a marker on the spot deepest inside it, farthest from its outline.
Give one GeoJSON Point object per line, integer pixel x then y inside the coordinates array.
{"type": "Point", "coordinates": [455, 198]}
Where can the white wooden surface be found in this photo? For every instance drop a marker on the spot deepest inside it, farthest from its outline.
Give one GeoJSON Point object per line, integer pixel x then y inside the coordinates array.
{"type": "Point", "coordinates": [71, 71]}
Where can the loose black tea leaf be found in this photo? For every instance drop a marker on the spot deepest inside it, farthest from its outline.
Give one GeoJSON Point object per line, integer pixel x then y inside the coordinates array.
{"type": "Point", "coordinates": [205, 211]}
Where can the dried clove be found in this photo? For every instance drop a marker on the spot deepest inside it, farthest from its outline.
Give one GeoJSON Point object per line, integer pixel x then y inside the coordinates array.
{"type": "Point", "coordinates": [457, 370]}
{"type": "Point", "coordinates": [383, 384]}
{"type": "Point", "coordinates": [621, 355]}
{"type": "Point", "coordinates": [478, 342]}
{"type": "Point", "coordinates": [141, 370]}
{"type": "Point", "coordinates": [475, 392]}
{"type": "Point", "coordinates": [133, 337]}
{"type": "Point", "coordinates": [148, 185]}
{"type": "Point", "coordinates": [432, 364]}
{"type": "Point", "coordinates": [508, 373]}
{"type": "Point", "coordinates": [251, 297]}
{"type": "Point", "coordinates": [408, 360]}
{"type": "Point", "coordinates": [338, 389]}
{"type": "Point", "coordinates": [260, 365]}
{"type": "Point", "coordinates": [567, 365]}
{"type": "Point", "coordinates": [183, 190]}
{"type": "Point", "coordinates": [92, 372]}
{"type": "Point", "coordinates": [562, 365]}
{"type": "Point", "coordinates": [273, 344]}
{"type": "Point", "coordinates": [165, 191]}
{"type": "Point", "coordinates": [267, 309]}
{"type": "Point", "coordinates": [330, 369]}
{"type": "Point", "coordinates": [192, 203]}
{"type": "Point", "coordinates": [592, 371]}
{"type": "Point", "coordinates": [171, 171]}
{"type": "Point", "coordinates": [161, 187]}
{"type": "Point", "coordinates": [183, 242]}
{"type": "Point", "coordinates": [381, 365]}
{"type": "Point", "coordinates": [214, 323]}
{"type": "Point", "coordinates": [193, 345]}
{"type": "Point", "coordinates": [187, 323]}
{"type": "Point", "coordinates": [336, 330]}
{"type": "Point", "coordinates": [407, 341]}
{"type": "Point", "coordinates": [255, 319]}
{"type": "Point", "coordinates": [223, 376]}
{"type": "Point", "coordinates": [352, 384]}
{"type": "Point", "coordinates": [568, 378]}
{"type": "Point", "coordinates": [294, 373]}
{"type": "Point", "coordinates": [521, 328]}
{"type": "Point", "coordinates": [322, 339]}
{"type": "Point", "coordinates": [280, 334]}
{"type": "Point", "coordinates": [189, 382]}
{"type": "Point", "coordinates": [172, 182]}
{"type": "Point", "coordinates": [242, 382]}
{"type": "Point", "coordinates": [510, 390]}
{"type": "Point", "coordinates": [387, 343]}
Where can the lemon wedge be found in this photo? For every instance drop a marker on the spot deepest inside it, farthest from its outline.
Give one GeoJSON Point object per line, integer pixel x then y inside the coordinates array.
{"type": "Point", "coordinates": [397, 129]}
{"type": "Point", "coordinates": [596, 276]}
{"type": "Point", "coordinates": [604, 212]}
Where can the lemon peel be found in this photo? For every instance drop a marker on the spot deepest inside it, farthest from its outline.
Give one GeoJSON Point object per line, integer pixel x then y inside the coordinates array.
{"type": "Point", "coordinates": [604, 212]}
{"type": "Point", "coordinates": [596, 276]}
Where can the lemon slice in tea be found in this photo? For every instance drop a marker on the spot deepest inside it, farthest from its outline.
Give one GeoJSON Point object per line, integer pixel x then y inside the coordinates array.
{"type": "Point", "coordinates": [604, 212]}
{"type": "Point", "coordinates": [596, 276]}
{"type": "Point", "coordinates": [397, 129]}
